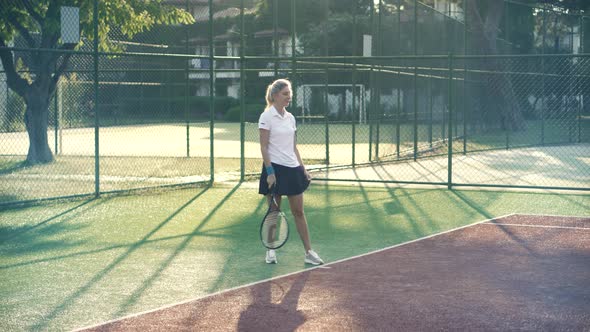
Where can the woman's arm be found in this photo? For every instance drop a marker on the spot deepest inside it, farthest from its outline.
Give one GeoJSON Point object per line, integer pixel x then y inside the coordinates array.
{"type": "Point", "coordinates": [264, 141]}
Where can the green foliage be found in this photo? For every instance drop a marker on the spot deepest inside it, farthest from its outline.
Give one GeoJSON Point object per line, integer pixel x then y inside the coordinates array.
{"type": "Point", "coordinates": [19, 14]}
{"type": "Point", "coordinates": [75, 102]}
{"type": "Point", "coordinates": [308, 11]}
{"type": "Point", "coordinates": [156, 107]}
{"type": "Point", "coordinates": [37, 24]}
{"type": "Point", "coordinates": [14, 113]}
{"type": "Point", "coordinates": [576, 5]}
{"type": "Point", "coordinates": [141, 109]}
{"type": "Point", "coordinates": [128, 17]}
{"type": "Point", "coordinates": [42, 18]}
{"type": "Point", "coordinates": [334, 34]}
{"type": "Point", "coordinates": [315, 19]}
{"type": "Point", "coordinates": [519, 25]}
{"type": "Point", "coordinates": [251, 113]}
{"type": "Point", "coordinates": [221, 105]}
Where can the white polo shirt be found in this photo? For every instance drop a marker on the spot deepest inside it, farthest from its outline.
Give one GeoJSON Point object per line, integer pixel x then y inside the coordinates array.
{"type": "Point", "coordinates": [281, 145]}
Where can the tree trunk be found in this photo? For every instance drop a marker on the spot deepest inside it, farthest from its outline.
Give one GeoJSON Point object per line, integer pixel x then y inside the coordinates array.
{"type": "Point", "coordinates": [37, 121]}
{"type": "Point", "coordinates": [497, 89]}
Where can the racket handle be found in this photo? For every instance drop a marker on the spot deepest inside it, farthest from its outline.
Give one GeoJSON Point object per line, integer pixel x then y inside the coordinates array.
{"type": "Point", "coordinates": [273, 189]}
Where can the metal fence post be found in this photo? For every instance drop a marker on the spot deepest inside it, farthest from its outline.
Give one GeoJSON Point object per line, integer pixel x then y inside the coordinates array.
{"type": "Point", "coordinates": [450, 130]}
{"type": "Point", "coordinates": [60, 112]}
{"type": "Point", "coordinates": [326, 117]}
{"type": "Point", "coordinates": [399, 89]}
{"type": "Point", "coordinates": [354, 53]}
{"type": "Point", "coordinates": [465, 104]}
{"type": "Point", "coordinates": [293, 54]}
{"type": "Point", "coordinates": [371, 109]}
{"type": "Point", "coordinates": [187, 90]}
{"type": "Point", "coordinates": [378, 110]}
{"type": "Point", "coordinates": [211, 96]}
{"type": "Point", "coordinates": [430, 107]}
{"type": "Point", "coordinates": [242, 96]}
{"type": "Point", "coordinates": [544, 93]}
{"type": "Point", "coordinates": [326, 84]}
{"type": "Point", "coordinates": [415, 82]}
{"type": "Point", "coordinates": [580, 103]}
{"type": "Point", "coordinates": [275, 35]}
{"type": "Point", "coordinates": [372, 85]}
{"type": "Point", "coordinates": [96, 107]}
{"type": "Point", "coordinates": [56, 120]}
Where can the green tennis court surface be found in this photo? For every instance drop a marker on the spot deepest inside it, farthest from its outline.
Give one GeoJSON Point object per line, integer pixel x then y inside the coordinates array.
{"type": "Point", "coordinates": [517, 272]}
{"type": "Point", "coordinates": [66, 265]}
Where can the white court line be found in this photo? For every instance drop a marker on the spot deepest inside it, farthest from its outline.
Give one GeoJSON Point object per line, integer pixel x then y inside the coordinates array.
{"type": "Point", "coordinates": [536, 226]}
{"type": "Point", "coordinates": [324, 266]}
{"type": "Point", "coordinates": [548, 215]}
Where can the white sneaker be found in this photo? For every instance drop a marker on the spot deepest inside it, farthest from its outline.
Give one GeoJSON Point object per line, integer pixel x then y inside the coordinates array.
{"type": "Point", "coordinates": [311, 257]}
{"type": "Point", "coordinates": [271, 257]}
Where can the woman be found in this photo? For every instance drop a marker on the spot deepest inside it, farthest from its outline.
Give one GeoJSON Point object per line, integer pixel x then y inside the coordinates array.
{"type": "Point", "coordinates": [282, 163]}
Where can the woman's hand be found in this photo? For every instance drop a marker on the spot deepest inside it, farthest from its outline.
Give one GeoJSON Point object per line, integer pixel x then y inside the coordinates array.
{"type": "Point", "coordinates": [307, 175]}
{"type": "Point", "coordinates": [271, 180]}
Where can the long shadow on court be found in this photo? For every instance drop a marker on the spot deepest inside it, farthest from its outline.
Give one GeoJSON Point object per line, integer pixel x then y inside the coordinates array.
{"type": "Point", "coordinates": [266, 314]}
{"type": "Point", "coordinates": [38, 238]}
{"type": "Point", "coordinates": [10, 232]}
{"type": "Point", "coordinates": [228, 266]}
{"type": "Point", "coordinates": [373, 219]}
{"type": "Point", "coordinates": [461, 280]}
{"type": "Point", "coordinates": [134, 297]}
{"type": "Point", "coordinates": [71, 299]}
{"type": "Point", "coordinates": [266, 306]}
{"type": "Point", "coordinates": [422, 215]}
{"type": "Point", "coordinates": [488, 215]}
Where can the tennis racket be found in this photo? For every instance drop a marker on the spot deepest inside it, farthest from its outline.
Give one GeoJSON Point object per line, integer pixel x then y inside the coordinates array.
{"type": "Point", "coordinates": [274, 229]}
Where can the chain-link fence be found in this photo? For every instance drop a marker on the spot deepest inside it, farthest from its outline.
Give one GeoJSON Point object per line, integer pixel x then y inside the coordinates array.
{"type": "Point", "coordinates": [500, 121]}
{"type": "Point", "coordinates": [390, 91]}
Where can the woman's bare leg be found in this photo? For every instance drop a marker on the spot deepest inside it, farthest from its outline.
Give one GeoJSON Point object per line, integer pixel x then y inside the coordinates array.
{"type": "Point", "coordinates": [296, 204]}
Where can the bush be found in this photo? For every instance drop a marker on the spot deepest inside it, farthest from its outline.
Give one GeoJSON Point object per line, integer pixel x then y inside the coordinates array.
{"type": "Point", "coordinates": [15, 111]}
{"type": "Point", "coordinates": [221, 105]}
{"type": "Point", "coordinates": [251, 113]}
{"type": "Point", "coordinates": [173, 108]}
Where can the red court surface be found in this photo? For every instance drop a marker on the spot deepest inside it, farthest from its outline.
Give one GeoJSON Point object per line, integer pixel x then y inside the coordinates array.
{"type": "Point", "coordinates": [525, 273]}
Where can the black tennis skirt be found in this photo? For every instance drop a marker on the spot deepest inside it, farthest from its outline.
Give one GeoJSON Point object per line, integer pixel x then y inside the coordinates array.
{"type": "Point", "coordinates": [290, 180]}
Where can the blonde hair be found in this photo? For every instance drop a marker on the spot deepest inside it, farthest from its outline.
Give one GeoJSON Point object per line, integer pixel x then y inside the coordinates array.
{"type": "Point", "coordinates": [274, 88]}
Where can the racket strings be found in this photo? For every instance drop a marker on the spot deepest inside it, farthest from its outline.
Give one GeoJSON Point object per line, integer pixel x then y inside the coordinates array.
{"type": "Point", "coordinates": [274, 230]}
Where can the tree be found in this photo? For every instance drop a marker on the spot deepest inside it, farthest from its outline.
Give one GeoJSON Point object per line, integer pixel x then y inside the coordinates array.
{"type": "Point", "coordinates": [318, 22]}
{"type": "Point", "coordinates": [483, 18]}
{"type": "Point", "coordinates": [491, 21]}
{"type": "Point", "coordinates": [576, 5]}
{"type": "Point", "coordinates": [37, 23]}
{"type": "Point", "coordinates": [552, 26]}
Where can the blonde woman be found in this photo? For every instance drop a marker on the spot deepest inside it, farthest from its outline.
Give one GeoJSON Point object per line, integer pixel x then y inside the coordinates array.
{"type": "Point", "coordinates": [282, 163]}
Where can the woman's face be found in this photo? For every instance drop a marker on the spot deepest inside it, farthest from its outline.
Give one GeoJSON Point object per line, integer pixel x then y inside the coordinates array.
{"type": "Point", "coordinates": [283, 97]}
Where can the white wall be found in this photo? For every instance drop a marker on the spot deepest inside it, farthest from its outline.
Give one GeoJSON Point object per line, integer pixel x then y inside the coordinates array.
{"type": "Point", "coordinates": [233, 90]}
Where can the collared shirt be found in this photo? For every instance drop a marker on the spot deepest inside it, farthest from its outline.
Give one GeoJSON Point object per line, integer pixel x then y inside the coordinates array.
{"type": "Point", "coordinates": [281, 144]}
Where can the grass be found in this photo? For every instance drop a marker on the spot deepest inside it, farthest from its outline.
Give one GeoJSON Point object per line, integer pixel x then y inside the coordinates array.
{"type": "Point", "coordinates": [550, 131]}
{"type": "Point", "coordinates": [75, 263]}
{"type": "Point", "coordinates": [74, 175]}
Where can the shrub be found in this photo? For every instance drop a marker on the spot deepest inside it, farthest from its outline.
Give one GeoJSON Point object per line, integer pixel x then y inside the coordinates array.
{"type": "Point", "coordinates": [251, 113]}
{"type": "Point", "coordinates": [15, 111]}
{"type": "Point", "coordinates": [221, 105]}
